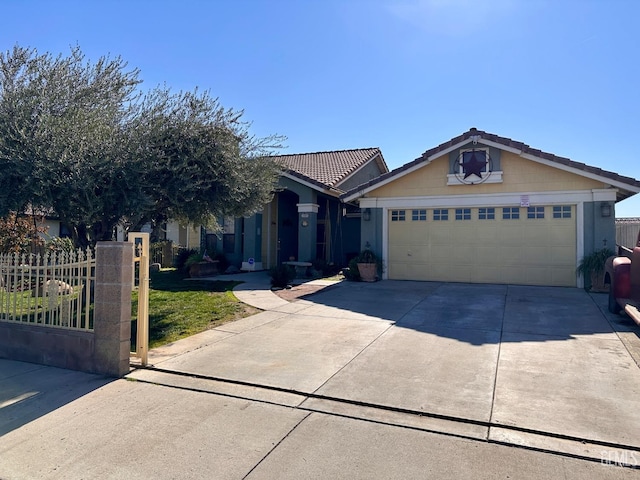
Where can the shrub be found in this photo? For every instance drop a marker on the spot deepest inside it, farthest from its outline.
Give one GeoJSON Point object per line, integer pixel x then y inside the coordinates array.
{"type": "Point", "coordinates": [60, 245]}
{"type": "Point", "coordinates": [20, 234]}
{"type": "Point", "coordinates": [594, 262]}
{"type": "Point", "coordinates": [352, 272]}
{"type": "Point", "coordinates": [183, 256]}
{"type": "Point", "coordinates": [282, 275]}
{"type": "Point", "coordinates": [191, 259]}
{"type": "Point", "coordinates": [223, 263]}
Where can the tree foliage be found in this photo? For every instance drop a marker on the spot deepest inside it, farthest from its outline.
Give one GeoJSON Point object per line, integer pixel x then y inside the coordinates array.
{"type": "Point", "coordinates": [18, 234]}
{"type": "Point", "coordinates": [81, 140]}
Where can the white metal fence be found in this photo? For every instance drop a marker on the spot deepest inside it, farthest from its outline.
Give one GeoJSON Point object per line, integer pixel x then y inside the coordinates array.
{"type": "Point", "coordinates": [53, 290]}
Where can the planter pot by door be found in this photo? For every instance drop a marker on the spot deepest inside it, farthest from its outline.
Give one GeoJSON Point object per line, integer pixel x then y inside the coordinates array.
{"type": "Point", "coordinates": [367, 271]}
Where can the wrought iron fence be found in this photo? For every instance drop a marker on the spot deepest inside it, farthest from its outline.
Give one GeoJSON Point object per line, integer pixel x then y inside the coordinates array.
{"type": "Point", "coordinates": [54, 289]}
{"type": "Point", "coordinates": [165, 253]}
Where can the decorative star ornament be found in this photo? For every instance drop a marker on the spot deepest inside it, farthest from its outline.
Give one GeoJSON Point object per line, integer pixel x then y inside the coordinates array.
{"type": "Point", "coordinates": [473, 166]}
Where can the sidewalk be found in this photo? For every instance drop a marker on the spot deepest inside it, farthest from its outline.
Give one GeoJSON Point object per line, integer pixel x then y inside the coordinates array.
{"type": "Point", "coordinates": [135, 430]}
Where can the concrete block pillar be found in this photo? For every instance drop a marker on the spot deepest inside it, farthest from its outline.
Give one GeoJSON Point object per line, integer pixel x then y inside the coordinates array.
{"type": "Point", "coordinates": [112, 308]}
{"type": "Point", "coordinates": [307, 231]}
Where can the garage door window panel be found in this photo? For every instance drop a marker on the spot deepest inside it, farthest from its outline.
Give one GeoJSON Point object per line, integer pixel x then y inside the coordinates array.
{"type": "Point", "coordinates": [398, 215]}
{"type": "Point", "coordinates": [463, 214]}
{"type": "Point", "coordinates": [535, 212]}
{"type": "Point", "coordinates": [419, 215]}
{"type": "Point", "coordinates": [440, 214]}
{"type": "Point", "coordinates": [511, 213]}
{"type": "Point", "coordinates": [487, 213]}
{"type": "Point", "coordinates": [562, 211]}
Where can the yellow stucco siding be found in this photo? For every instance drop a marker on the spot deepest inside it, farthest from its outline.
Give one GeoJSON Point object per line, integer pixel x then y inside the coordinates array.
{"type": "Point", "coordinates": [519, 175]}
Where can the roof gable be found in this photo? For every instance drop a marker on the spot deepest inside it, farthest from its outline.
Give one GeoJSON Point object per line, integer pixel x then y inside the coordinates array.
{"type": "Point", "coordinates": [330, 169]}
{"type": "Point", "coordinates": [628, 186]}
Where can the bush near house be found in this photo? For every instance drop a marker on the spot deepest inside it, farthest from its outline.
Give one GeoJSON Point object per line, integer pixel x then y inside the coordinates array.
{"type": "Point", "coordinates": [282, 276]}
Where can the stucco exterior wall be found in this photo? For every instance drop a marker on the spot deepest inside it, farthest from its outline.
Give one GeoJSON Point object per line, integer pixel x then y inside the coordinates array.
{"type": "Point", "coordinates": [599, 231]}
{"type": "Point", "coordinates": [368, 172]}
{"type": "Point", "coordinates": [519, 175]}
{"type": "Point", "coordinates": [371, 232]}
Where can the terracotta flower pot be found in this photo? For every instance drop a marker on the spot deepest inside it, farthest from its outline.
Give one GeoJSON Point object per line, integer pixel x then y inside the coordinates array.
{"type": "Point", "coordinates": [367, 271]}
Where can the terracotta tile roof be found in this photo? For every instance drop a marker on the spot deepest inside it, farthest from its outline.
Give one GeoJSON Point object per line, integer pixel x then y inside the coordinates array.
{"type": "Point", "coordinates": [507, 142]}
{"type": "Point", "coordinates": [328, 168]}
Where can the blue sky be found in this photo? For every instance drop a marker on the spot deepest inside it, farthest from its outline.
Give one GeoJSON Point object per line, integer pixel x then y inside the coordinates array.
{"type": "Point", "coordinates": [402, 75]}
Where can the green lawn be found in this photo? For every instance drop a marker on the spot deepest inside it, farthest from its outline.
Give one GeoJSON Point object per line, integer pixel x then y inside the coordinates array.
{"type": "Point", "coordinates": [180, 308]}
{"type": "Point", "coordinates": [22, 306]}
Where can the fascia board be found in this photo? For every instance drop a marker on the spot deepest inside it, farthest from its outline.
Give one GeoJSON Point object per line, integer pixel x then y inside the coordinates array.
{"type": "Point", "coordinates": [500, 146]}
{"type": "Point", "coordinates": [333, 193]}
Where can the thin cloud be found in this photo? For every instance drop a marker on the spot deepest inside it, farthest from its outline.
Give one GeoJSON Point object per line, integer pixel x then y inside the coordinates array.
{"type": "Point", "coordinates": [457, 18]}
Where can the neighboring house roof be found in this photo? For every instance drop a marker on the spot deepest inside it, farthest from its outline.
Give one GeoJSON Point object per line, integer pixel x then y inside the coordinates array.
{"type": "Point", "coordinates": [629, 185]}
{"type": "Point", "coordinates": [330, 169]}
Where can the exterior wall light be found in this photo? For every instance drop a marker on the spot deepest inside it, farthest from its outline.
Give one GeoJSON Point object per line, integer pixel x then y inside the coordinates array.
{"type": "Point", "coordinates": [605, 209]}
{"type": "Point", "coordinates": [366, 214]}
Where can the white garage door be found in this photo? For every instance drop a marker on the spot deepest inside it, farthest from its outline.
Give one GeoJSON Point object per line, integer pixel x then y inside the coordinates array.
{"type": "Point", "coordinates": [518, 245]}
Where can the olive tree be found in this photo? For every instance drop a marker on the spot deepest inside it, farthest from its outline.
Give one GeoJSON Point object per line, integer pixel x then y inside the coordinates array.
{"type": "Point", "coordinates": [81, 139]}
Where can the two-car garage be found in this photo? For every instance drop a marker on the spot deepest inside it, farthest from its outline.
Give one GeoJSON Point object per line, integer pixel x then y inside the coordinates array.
{"type": "Point", "coordinates": [520, 245]}
{"type": "Point", "coordinates": [481, 208]}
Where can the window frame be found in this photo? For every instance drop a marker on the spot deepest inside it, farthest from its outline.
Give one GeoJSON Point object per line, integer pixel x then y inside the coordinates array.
{"type": "Point", "coordinates": [462, 214]}
{"type": "Point", "coordinates": [536, 213]}
{"type": "Point", "coordinates": [511, 213]}
{"type": "Point", "coordinates": [440, 214]}
{"type": "Point", "coordinates": [419, 215]}
{"type": "Point", "coordinates": [564, 211]}
{"type": "Point", "coordinates": [398, 215]}
{"type": "Point", "coordinates": [488, 214]}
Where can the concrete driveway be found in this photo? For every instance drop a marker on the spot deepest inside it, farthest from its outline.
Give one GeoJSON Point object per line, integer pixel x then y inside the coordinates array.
{"type": "Point", "coordinates": [385, 380]}
{"type": "Point", "coordinates": [531, 366]}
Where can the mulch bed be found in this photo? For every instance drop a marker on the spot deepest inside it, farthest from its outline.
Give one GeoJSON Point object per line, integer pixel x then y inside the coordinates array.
{"type": "Point", "coordinates": [298, 291]}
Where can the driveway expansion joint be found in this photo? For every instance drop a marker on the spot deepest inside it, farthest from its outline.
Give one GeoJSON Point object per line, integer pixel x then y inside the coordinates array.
{"type": "Point", "coordinates": [415, 413]}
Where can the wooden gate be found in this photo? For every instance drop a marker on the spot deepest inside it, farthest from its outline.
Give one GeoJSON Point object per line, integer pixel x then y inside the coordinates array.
{"type": "Point", "coordinates": [141, 282]}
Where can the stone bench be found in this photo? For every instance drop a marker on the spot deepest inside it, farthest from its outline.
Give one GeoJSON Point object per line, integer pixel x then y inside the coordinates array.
{"type": "Point", "coordinates": [301, 268]}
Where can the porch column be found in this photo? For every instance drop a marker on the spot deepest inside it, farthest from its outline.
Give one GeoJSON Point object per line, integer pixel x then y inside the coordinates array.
{"type": "Point", "coordinates": [307, 231]}
{"type": "Point", "coordinates": [252, 249]}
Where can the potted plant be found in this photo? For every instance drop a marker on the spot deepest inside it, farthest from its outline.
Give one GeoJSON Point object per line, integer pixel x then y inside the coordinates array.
{"type": "Point", "coordinates": [368, 265]}
{"type": "Point", "coordinates": [201, 265]}
{"type": "Point", "coordinates": [592, 266]}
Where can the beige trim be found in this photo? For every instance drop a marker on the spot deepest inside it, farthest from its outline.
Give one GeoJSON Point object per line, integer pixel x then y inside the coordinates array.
{"type": "Point", "coordinates": [307, 207]}
{"type": "Point", "coordinates": [493, 177]}
{"type": "Point", "coordinates": [490, 200]}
